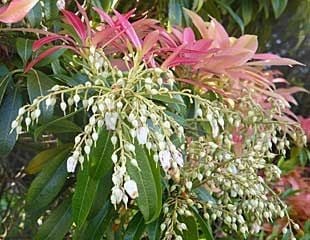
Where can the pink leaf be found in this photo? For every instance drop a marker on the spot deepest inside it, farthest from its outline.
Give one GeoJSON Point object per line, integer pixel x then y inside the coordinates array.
{"type": "Point", "coordinates": [45, 40]}
{"type": "Point", "coordinates": [45, 54]}
{"type": "Point", "coordinates": [149, 41]}
{"type": "Point", "coordinates": [217, 33]}
{"type": "Point", "coordinates": [248, 42]}
{"type": "Point", "coordinates": [130, 31]}
{"type": "Point", "coordinates": [104, 16]}
{"type": "Point", "coordinates": [275, 62]}
{"type": "Point", "coordinates": [16, 10]}
{"type": "Point", "coordinates": [188, 36]}
{"type": "Point", "coordinates": [84, 14]}
{"type": "Point", "coordinates": [198, 22]}
{"type": "Point", "coordinates": [76, 23]}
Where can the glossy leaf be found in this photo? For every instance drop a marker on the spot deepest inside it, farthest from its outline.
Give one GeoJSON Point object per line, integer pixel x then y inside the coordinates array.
{"type": "Point", "coordinates": [203, 194]}
{"type": "Point", "coordinates": [192, 231]}
{"type": "Point", "coordinates": [46, 186]}
{"type": "Point", "coordinates": [204, 225]}
{"type": "Point", "coordinates": [98, 225]}
{"type": "Point", "coordinates": [247, 11]}
{"type": "Point", "coordinates": [135, 228]}
{"type": "Point", "coordinates": [16, 10]}
{"type": "Point", "coordinates": [76, 23]}
{"type": "Point", "coordinates": [24, 48]}
{"type": "Point", "coordinates": [38, 84]}
{"type": "Point", "coordinates": [278, 7]}
{"type": "Point", "coordinates": [175, 13]}
{"type": "Point", "coordinates": [100, 157]}
{"type": "Point", "coordinates": [58, 125]}
{"type": "Point", "coordinates": [84, 195]}
{"type": "Point", "coordinates": [38, 162]}
{"type": "Point", "coordinates": [153, 230]}
{"type": "Point", "coordinates": [57, 224]}
{"type": "Point", "coordinates": [8, 112]}
{"type": "Point", "coordinates": [35, 15]}
{"type": "Point", "coordinates": [148, 180]}
{"type": "Point", "coordinates": [4, 82]}
{"type": "Point", "coordinates": [234, 16]}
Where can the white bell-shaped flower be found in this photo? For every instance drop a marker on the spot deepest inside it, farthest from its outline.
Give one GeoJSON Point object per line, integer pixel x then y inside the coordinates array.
{"type": "Point", "coordinates": [110, 119]}
{"type": "Point", "coordinates": [142, 133]}
{"type": "Point", "coordinates": [165, 159]}
{"type": "Point", "coordinates": [177, 156]}
{"type": "Point", "coordinates": [131, 188]}
{"type": "Point", "coordinates": [71, 164]}
{"type": "Point", "coordinates": [116, 196]}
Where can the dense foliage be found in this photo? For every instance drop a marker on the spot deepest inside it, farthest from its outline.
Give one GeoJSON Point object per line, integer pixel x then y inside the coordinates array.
{"type": "Point", "coordinates": [149, 133]}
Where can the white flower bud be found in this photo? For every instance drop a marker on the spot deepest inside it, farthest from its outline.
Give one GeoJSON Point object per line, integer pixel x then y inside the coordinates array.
{"type": "Point", "coordinates": [14, 124]}
{"type": "Point", "coordinates": [114, 140]}
{"type": "Point", "coordinates": [87, 149]}
{"type": "Point", "coordinates": [28, 121]}
{"type": "Point", "coordinates": [134, 163]}
{"type": "Point", "coordinates": [95, 136]}
{"type": "Point", "coordinates": [114, 158]}
{"type": "Point", "coordinates": [76, 98]}
{"type": "Point", "coordinates": [63, 107]}
{"type": "Point", "coordinates": [189, 185]}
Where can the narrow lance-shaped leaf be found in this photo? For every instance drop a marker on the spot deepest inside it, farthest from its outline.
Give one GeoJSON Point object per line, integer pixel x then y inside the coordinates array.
{"type": "Point", "coordinates": [8, 112]}
{"type": "Point", "coordinates": [23, 47]}
{"type": "Point", "coordinates": [97, 226]}
{"type": "Point", "coordinates": [46, 186]}
{"type": "Point", "coordinates": [84, 195]}
{"type": "Point", "coordinates": [57, 224]}
{"type": "Point", "coordinates": [135, 228]}
{"type": "Point", "coordinates": [149, 185]}
{"type": "Point", "coordinates": [100, 161]}
{"type": "Point", "coordinates": [37, 163]}
{"type": "Point", "coordinates": [16, 10]}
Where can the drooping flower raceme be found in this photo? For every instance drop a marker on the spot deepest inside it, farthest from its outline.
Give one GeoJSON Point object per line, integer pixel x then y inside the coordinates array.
{"type": "Point", "coordinates": [203, 141]}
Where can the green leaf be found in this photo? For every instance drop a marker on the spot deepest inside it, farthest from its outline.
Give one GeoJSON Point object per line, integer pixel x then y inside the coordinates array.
{"type": "Point", "coordinates": [175, 14]}
{"type": "Point", "coordinates": [135, 228]}
{"type": "Point", "coordinates": [57, 224]}
{"type": "Point", "coordinates": [59, 125]}
{"type": "Point", "coordinates": [149, 185]}
{"type": "Point", "coordinates": [204, 195]}
{"type": "Point", "coordinates": [35, 15]}
{"type": "Point", "coordinates": [8, 112]}
{"type": "Point", "coordinates": [38, 84]}
{"type": "Point", "coordinates": [50, 10]}
{"type": "Point", "coordinates": [51, 58]}
{"type": "Point", "coordinates": [84, 195]}
{"type": "Point", "coordinates": [204, 225]}
{"type": "Point", "coordinates": [247, 10]}
{"type": "Point", "coordinates": [234, 16]}
{"type": "Point", "coordinates": [4, 82]}
{"type": "Point", "coordinates": [100, 157]}
{"type": "Point", "coordinates": [46, 186]}
{"type": "Point", "coordinates": [153, 230]}
{"type": "Point", "coordinates": [98, 225]}
{"type": "Point", "coordinates": [24, 48]}
{"type": "Point", "coordinates": [38, 162]}
{"type": "Point", "coordinates": [192, 231]}
{"type": "Point", "coordinates": [278, 7]}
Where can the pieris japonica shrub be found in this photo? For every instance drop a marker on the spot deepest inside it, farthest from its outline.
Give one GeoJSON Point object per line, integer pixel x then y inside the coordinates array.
{"type": "Point", "coordinates": [178, 132]}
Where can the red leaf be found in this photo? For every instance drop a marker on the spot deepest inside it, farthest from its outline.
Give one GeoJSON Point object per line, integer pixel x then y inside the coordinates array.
{"type": "Point", "coordinates": [16, 10]}
{"type": "Point", "coordinates": [76, 23]}
{"type": "Point", "coordinates": [44, 55]}
{"type": "Point", "coordinates": [149, 41]}
{"type": "Point", "coordinates": [198, 22]}
{"type": "Point", "coordinates": [130, 31]}
{"type": "Point", "coordinates": [104, 16]}
{"type": "Point", "coordinates": [45, 40]}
